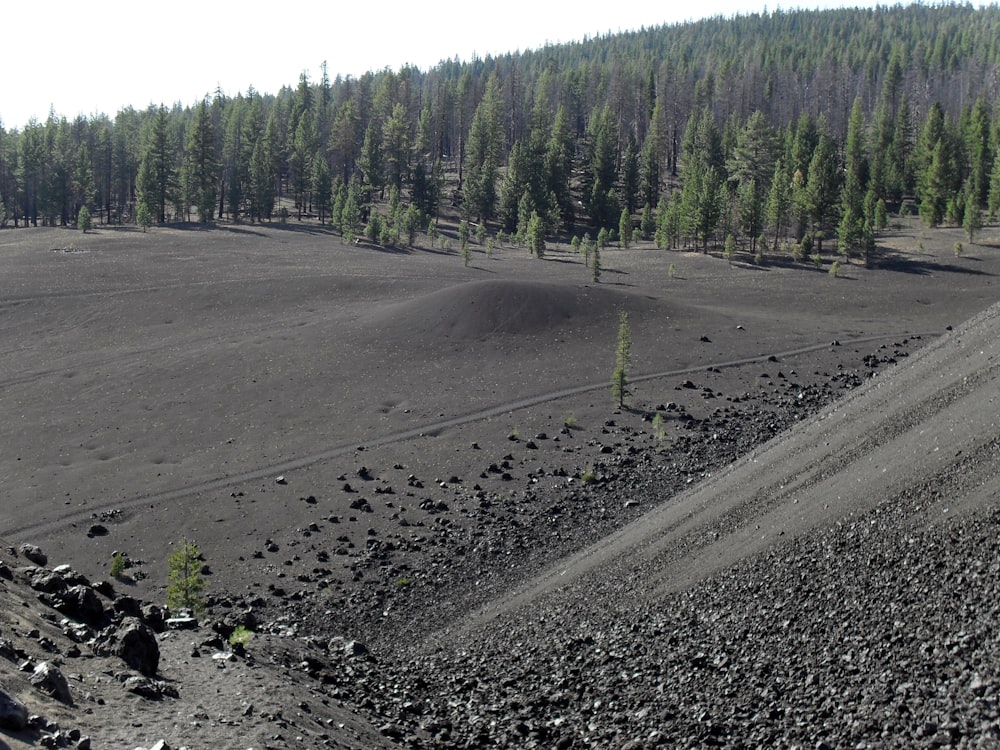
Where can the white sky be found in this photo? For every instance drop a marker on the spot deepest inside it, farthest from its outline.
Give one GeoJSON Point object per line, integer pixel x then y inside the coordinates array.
{"type": "Point", "coordinates": [92, 58]}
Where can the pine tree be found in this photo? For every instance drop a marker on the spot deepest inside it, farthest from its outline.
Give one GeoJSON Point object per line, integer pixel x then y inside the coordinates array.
{"type": "Point", "coordinates": [201, 164]}
{"type": "Point", "coordinates": [993, 201]}
{"type": "Point", "coordinates": [142, 215]}
{"type": "Point", "coordinates": [647, 223]}
{"type": "Point", "coordinates": [535, 235]}
{"type": "Point", "coordinates": [750, 206]}
{"type": "Point", "coordinates": [370, 161]}
{"type": "Point", "coordinates": [977, 146]}
{"type": "Point", "coordinates": [185, 584]}
{"type": "Point", "coordinates": [305, 146]}
{"type": "Point", "coordinates": [83, 221]}
{"type": "Point", "coordinates": [157, 179]}
{"type": "Point", "coordinates": [851, 230]}
{"type": "Point", "coordinates": [512, 188]}
{"type": "Point", "coordinates": [396, 146]}
{"type": "Point", "coordinates": [821, 189]}
{"type": "Point", "coordinates": [322, 187]}
{"type": "Point", "coordinates": [482, 159]}
{"type": "Point", "coordinates": [350, 217]}
{"type": "Point", "coordinates": [263, 171]}
{"type": "Point", "coordinates": [623, 361]}
{"type": "Point", "coordinates": [630, 176]}
{"type": "Point", "coordinates": [779, 201]}
{"type": "Point", "coordinates": [972, 221]}
{"type": "Point", "coordinates": [702, 199]}
{"type": "Point", "coordinates": [601, 173]}
{"type": "Point", "coordinates": [934, 189]}
{"type": "Point", "coordinates": [559, 165]}
{"type": "Point", "coordinates": [625, 228]}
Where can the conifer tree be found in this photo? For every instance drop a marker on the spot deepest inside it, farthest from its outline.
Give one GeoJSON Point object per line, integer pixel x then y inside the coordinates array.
{"type": "Point", "coordinates": [535, 235]}
{"type": "Point", "coordinates": [201, 164]}
{"type": "Point", "coordinates": [993, 200]}
{"type": "Point", "coordinates": [601, 173]}
{"type": "Point", "coordinates": [778, 201]}
{"type": "Point", "coordinates": [623, 361]}
{"type": "Point", "coordinates": [263, 171]}
{"type": "Point", "coordinates": [185, 585]}
{"type": "Point", "coordinates": [934, 186]}
{"type": "Point", "coordinates": [972, 221]}
{"type": "Point", "coordinates": [821, 189]}
{"type": "Point", "coordinates": [83, 221]}
{"type": "Point", "coordinates": [157, 179]}
{"type": "Point", "coordinates": [482, 159]}
{"type": "Point", "coordinates": [625, 228]}
{"type": "Point", "coordinates": [851, 230]}
{"type": "Point", "coordinates": [322, 187]}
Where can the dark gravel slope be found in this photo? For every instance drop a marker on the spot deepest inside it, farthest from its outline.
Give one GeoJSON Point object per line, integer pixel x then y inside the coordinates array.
{"type": "Point", "coordinates": [837, 588]}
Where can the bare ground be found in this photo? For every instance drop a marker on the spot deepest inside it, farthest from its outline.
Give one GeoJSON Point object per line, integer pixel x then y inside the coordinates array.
{"type": "Point", "coordinates": [444, 434]}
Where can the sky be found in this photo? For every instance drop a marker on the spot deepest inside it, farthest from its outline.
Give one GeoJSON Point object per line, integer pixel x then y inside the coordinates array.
{"type": "Point", "coordinates": [84, 59]}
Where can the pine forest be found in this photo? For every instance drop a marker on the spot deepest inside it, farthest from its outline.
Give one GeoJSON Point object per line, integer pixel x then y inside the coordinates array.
{"type": "Point", "coordinates": [771, 132]}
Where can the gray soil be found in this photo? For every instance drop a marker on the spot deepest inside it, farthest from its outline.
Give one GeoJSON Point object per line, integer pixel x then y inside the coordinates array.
{"type": "Point", "coordinates": [410, 478]}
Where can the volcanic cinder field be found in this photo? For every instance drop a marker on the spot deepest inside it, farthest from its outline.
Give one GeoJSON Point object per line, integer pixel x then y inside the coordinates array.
{"type": "Point", "coordinates": [388, 447]}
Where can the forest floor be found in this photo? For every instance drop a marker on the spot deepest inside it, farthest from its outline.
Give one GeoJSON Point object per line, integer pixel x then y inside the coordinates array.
{"type": "Point", "coordinates": [372, 445]}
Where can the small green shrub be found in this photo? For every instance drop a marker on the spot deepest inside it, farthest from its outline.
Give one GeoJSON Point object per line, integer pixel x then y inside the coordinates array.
{"type": "Point", "coordinates": [659, 427]}
{"type": "Point", "coordinates": [240, 636]}
{"type": "Point", "coordinates": [83, 220]}
{"type": "Point", "coordinates": [117, 565]}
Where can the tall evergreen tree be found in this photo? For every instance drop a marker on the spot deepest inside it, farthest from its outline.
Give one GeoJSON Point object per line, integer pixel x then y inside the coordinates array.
{"type": "Point", "coordinates": [779, 201]}
{"type": "Point", "coordinates": [322, 187]}
{"type": "Point", "coordinates": [371, 163]}
{"type": "Point", "coordinates": [852, 231]}
{"type": "Point", "coordinates": [599, 188]}
{"type": "Point", "coordinates": [623, 361]}
{"type": "Point", "coordinates": [263, 171]}
{"type": "Point", "coordinates": [482, 158]}
{"type": "Point", "coordinates": [396, 146]}
{"type": "Point", "coordinates": [822, 187]}
{"type": "Point", "coordinates": [979, 154]}
{"type": "Point", "coordinates": [559, 164]}
{"type": "Point", "coordinates": [935, 185]}
{"type": "Point", "coordinates": [201, 164]}
{"type": "Point", "coordinates": [630, 175]}
{"type": "Point", "coordinates": [157, 180]}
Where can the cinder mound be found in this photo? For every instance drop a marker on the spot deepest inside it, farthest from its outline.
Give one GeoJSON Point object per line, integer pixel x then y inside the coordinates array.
{"type": "Point", "coordinates": [482, 309]}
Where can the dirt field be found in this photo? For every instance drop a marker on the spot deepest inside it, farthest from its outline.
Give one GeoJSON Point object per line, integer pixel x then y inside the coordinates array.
{"type": "Point", "coordinates": [160, 384]}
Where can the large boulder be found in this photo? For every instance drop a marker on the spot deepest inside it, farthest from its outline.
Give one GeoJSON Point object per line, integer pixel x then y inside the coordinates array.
{"type": "Point", "coordinates": [50, 680]}
{"type": "Point", "coordinates": [136, 645]}
{"type": "Point", "coordinates": [33, 553]}
{"type": "Point", "coordinates": [82, 603]}
{"type": "Point", "coordinates": [13, 713]}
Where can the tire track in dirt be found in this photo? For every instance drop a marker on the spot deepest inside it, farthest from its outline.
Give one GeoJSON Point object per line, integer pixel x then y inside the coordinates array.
{"type": "Point", "coordinates": [25, 531]}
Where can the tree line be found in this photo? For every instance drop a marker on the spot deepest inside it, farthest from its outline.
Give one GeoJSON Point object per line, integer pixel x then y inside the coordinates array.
{"type": "Point", "coordinates": [756, 130]}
